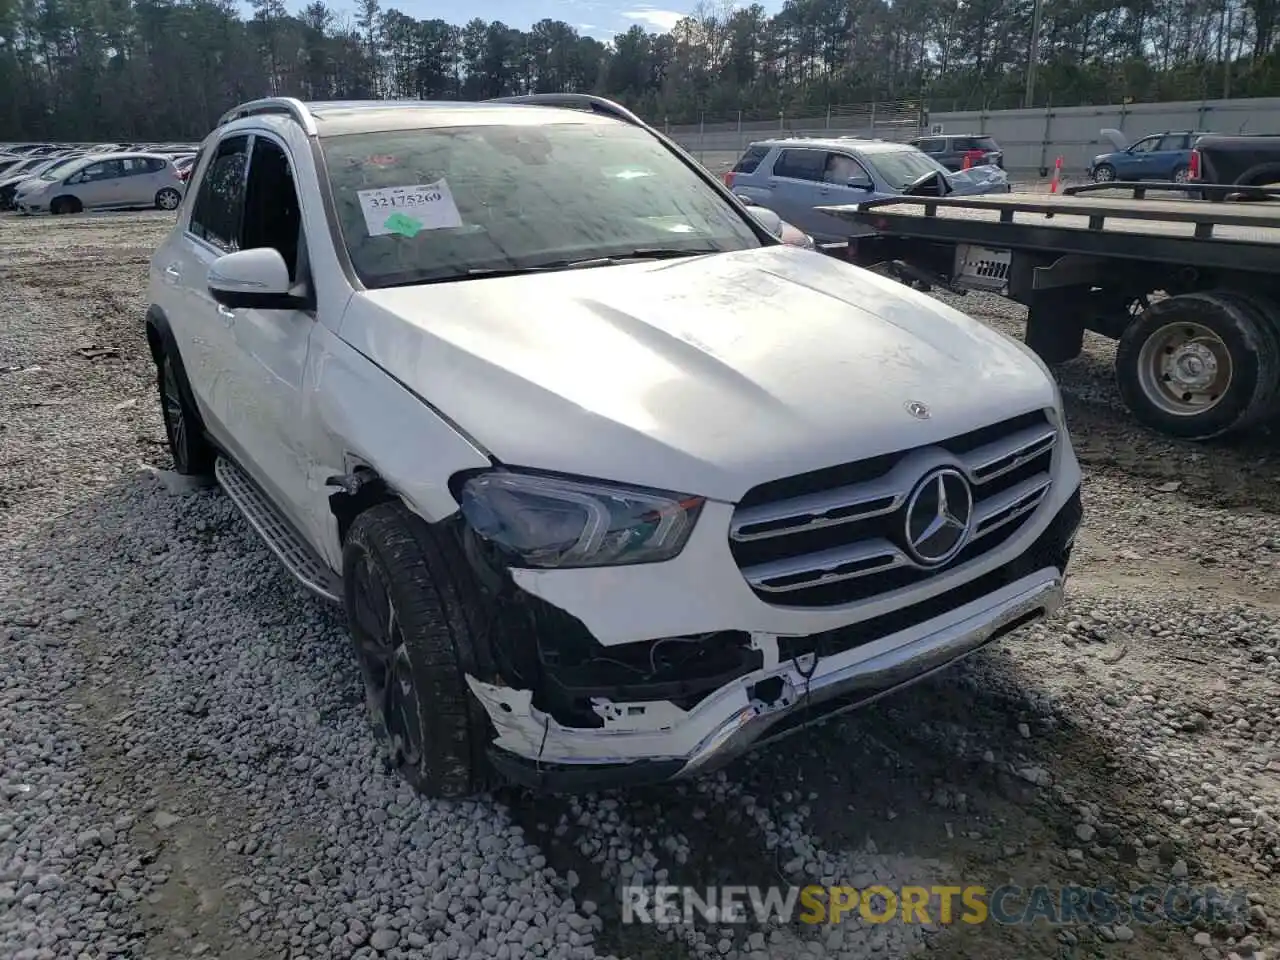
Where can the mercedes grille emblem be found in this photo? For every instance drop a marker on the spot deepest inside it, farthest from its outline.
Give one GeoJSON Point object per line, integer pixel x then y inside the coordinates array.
{"type": "Point", "coordinates": [917, 409]}
{"type": "Point", "coordinates": [939, 517]}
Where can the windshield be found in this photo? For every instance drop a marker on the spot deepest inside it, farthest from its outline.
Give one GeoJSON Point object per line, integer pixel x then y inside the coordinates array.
{"type": "Point", "coordinates": [438, 204]}
{"type": "Point", "coordinates": [899, 168]}
{"type": "Point", "coordinates": [60, 170]}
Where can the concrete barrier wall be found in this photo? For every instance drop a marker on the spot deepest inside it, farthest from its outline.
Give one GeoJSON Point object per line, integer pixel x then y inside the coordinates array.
{"type": "Point", "coordinates": [1032, 139]}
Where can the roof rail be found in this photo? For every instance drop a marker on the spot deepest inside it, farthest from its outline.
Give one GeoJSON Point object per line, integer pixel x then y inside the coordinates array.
{"type": "Point", "coordinates": [286, 106]}
{"type": "Point", "coordinates": [576, 101]}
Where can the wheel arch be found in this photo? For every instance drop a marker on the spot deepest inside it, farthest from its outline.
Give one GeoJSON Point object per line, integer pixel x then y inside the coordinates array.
{"type": "Point", "coordinates": [76, 203]}
{"type": "Point", "coordinates": [157, 330]}
{"type": "Point", "coordinates": [1259, 174]}
{"type": "Point", "coordinates": [359, 489]}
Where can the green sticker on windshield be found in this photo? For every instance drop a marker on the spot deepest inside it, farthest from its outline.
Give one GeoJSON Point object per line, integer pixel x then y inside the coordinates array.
{"type": "Point", "coordinates": [404, 225]}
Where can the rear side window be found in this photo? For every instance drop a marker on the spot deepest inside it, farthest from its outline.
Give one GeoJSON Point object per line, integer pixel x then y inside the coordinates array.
{"type": "Point", "coordinates": [801, 164]}
{"type": "Point", "coordinates": [751, 159]}
{"type": "Point", "coordinates": [975, 143]}
{"type": "Point", "coordinates": [931, 145]}
{"type": "Point", "coordinates": [219, 204]}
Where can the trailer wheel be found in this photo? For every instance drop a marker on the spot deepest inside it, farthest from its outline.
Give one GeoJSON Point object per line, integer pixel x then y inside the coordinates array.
{"type": "Point", "coordinates": [1199, 365]}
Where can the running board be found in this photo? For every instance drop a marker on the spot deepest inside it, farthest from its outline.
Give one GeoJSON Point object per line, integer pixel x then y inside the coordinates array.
{"type": "Point", "coordinates": [298, 558]}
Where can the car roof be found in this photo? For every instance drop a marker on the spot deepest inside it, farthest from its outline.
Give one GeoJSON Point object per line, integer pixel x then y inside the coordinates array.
{"type": "Point", "coordinates": [835, 143]}
{"type": "Point", "coordinates": [339, 117]}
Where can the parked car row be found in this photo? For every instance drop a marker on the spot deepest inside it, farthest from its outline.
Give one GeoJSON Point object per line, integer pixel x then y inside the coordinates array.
{"type": "Point", "coordinates": [1193, 157]}
{"type": "Point", "coordinates": [44, 178]}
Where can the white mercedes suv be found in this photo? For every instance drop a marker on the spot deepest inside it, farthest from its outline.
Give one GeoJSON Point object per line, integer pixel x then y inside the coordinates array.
{"type": "Point", "coordinates": [611, 483]}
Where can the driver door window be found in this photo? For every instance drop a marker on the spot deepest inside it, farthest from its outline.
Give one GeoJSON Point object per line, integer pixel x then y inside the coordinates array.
{"type": "Point", "coordinates": [215, 218]}
{"type": "Point", "coordinates": [272, 217]}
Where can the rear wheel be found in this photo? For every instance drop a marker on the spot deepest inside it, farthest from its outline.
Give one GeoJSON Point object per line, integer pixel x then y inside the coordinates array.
{"type": "Point", "coordinates": [168, 199]}
{"type": "Point", "coordinates": [1199, 365]}
{"type": "Point", "coordinates": [192, 453]}
{"type": "Point", "coordinates": [418, 626]}
{"type": "Point", "coordinates": [1181, 174]}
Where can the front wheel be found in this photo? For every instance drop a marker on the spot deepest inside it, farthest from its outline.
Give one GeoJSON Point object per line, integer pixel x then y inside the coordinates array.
{"type": "Point", "coordinates": [168, 199]}
{"type": "Point", "coordinates": [416, 622]}
{"type": "Point", "coordinates": [1104, 173]}
{"type": "Point", "coordinates": [62, 205]}
{"type": "Point", "coordinates": [1199, 365]}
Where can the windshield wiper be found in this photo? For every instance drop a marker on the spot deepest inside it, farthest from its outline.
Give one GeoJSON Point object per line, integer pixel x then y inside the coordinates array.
{"type": "Point", "coordinates": [631, 256]}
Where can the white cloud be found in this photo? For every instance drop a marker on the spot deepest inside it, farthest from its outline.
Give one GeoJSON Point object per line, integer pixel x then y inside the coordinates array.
{"type": "Point", "coordinates": [662, 19]}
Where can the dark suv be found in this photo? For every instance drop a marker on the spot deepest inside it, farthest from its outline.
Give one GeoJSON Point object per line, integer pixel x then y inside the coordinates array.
{"type": "Point", "coordinates": [951, 149]}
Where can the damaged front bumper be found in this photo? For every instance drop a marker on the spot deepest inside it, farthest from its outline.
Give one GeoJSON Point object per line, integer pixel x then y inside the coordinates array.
{"type": "Point", "coordinates": [658, 741]}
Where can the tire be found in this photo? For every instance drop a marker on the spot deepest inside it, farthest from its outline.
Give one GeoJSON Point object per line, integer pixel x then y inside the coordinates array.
{"type": "Point", "coordinates": [1180, 174]}
{"type": "Point", "coordinates": [1266, 314]}
{"type": "Point", "coordinates": [1103, 173]}
{"type": "Point", "coordinates": [192, 454]}
{"type": "Point", "coordinates": [415, 611]}
{"type": "Point", "coordinates": [168, 199]}
{"type": "Point", "coordinates": [61, 205]}
{"type": "Point", "coordinates": [1202, 333]}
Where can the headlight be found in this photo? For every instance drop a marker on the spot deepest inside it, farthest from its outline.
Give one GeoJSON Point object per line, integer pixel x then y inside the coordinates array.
{"type": "Point", "coordinates": [552, 522]}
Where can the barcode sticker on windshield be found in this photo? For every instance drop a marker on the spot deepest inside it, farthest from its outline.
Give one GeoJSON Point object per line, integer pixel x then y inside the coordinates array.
{"type": "Point", "coordinates": [409, 210]}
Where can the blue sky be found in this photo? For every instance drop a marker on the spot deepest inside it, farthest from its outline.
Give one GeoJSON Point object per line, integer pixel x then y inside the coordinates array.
{"type": "Point", "coordinates": [596, 18]}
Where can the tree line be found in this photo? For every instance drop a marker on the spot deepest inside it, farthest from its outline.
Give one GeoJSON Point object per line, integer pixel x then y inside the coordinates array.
{"type": "Point", "coordinates": [87, 70]}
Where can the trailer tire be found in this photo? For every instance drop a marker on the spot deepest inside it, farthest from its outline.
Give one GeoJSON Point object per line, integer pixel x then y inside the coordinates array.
{"type": "Point", "coordinates": [1267, 316]}
{"type": "Point", "coordinates": [1199, 365]}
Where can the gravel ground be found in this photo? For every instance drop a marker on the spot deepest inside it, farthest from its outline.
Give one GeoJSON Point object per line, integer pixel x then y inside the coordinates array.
{"type": "Point", "coordinates": [185, 768]}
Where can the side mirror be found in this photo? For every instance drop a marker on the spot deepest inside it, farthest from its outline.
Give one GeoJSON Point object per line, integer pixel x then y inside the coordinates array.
{"type": "Point", "coordinates": [253, 279]}
{"type": "Point", "coordinates": [767, 219]}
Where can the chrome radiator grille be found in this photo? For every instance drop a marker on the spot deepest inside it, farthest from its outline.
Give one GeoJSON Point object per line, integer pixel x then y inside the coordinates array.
{"type": "Point", "coordinates": [854, 531]}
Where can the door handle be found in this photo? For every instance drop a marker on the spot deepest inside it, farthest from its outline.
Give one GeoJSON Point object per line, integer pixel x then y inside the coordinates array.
{"type": "Point", "coordinates": [227, 314]}
{"type": "Point", "coordinates": [172, 272]}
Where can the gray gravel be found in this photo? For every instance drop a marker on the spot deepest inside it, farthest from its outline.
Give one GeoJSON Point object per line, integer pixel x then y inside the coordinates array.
{"type": "Point", "coordinates": [186, 769]}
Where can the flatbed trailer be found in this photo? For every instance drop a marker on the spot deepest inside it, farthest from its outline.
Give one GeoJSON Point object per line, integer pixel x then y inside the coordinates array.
{"type": "Point", "coordinates": [1190, 289]}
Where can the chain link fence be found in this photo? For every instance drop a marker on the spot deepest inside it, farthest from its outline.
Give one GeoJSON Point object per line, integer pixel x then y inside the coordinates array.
{"type": "Point", "coordinates": [718, 140]}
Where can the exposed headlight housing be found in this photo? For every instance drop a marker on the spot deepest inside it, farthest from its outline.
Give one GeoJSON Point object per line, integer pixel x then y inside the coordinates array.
{"type": "Point", "coordinates": [554, 522]}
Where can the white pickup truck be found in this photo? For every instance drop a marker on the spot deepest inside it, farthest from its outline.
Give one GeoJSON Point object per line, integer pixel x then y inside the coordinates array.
{"type": "Point", "coordinates": [611, 482]}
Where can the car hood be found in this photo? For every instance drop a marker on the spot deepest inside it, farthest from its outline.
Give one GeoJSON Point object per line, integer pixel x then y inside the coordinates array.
{"type": "Point", "coordinates": [985, 178]}
{"type": "Point", "coordinates": [1119, 142]}
{"type": "Point", "coordinates": [31, 185]}
{"type": "Point", "coordinates": [705, 375]}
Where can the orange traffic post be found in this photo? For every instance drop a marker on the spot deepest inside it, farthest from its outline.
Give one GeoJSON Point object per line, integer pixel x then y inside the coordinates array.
{"type": "Point", "coordinates": [1057, 175]}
